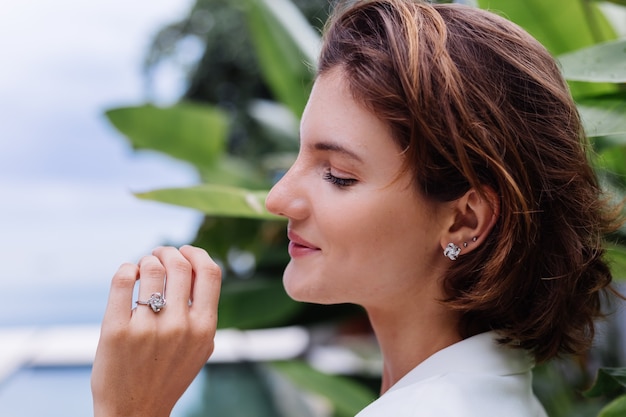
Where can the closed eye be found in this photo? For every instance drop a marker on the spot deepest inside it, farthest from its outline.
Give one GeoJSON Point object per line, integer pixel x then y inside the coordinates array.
{"type": "Point", "coordinates": [338, 181]}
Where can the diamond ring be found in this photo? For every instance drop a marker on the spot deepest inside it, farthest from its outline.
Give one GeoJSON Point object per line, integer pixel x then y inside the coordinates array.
{"type": "Point", "coordinates": [156, 302]}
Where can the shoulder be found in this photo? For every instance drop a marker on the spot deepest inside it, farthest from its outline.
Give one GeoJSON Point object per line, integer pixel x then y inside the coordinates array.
{"type": "Point", "coordinates": [459, 395]}
{"type": "Point", "coordinates": [476, 377]}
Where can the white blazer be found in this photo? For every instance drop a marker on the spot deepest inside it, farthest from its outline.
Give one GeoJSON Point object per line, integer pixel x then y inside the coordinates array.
{"type": "Point", "coordinates": [475, 377]}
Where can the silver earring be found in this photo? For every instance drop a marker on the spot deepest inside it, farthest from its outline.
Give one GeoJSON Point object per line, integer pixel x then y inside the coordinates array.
{"type": "Point", "coordinates": [464, 244]}
{"type": "Point", "coordinates": [452, 251]}
{"type": "Point", "coordinates": [474, 239]}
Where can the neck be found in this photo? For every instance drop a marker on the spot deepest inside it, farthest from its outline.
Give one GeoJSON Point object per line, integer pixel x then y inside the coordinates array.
{"type": "Point", "coordinates": [408, 336]}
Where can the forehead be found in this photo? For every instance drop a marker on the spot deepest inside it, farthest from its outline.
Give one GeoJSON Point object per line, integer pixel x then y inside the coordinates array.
{"type": "Point", "coordinates": [334, 117]}
{"type": "Point", "coordinates": [338, 131]}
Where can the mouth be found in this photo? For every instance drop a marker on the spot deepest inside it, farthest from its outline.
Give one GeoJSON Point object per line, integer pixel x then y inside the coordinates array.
{"type": "Point", "coordinates": [300, 247]}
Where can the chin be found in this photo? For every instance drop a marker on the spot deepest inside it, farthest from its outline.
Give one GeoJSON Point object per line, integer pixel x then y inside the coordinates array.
{"type": "Point", "coordinates": [305, 289]}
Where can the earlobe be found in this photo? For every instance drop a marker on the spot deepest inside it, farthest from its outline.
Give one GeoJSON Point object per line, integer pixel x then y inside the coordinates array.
{"type": "Point", "coordinates": [474, 216]}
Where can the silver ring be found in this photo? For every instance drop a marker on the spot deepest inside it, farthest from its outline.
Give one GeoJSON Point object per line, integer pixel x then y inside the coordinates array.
{"type": "Point", "coordinates": [156, 302]}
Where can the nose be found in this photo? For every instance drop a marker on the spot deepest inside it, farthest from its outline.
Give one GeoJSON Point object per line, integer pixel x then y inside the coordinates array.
{"type": "Point", "coordinates": [287, 197]}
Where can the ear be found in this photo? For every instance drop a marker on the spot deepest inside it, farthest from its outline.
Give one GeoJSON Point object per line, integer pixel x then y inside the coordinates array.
{"type": "Point", "coordinates": [473, 217]}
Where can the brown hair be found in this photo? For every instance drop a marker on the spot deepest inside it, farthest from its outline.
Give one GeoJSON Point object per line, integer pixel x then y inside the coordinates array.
{"type": "Point", "coordinates": [475, 101]}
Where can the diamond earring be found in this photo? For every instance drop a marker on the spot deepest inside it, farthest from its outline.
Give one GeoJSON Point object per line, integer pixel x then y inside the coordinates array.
{"type": "Point", "coordinates": [452, 251]}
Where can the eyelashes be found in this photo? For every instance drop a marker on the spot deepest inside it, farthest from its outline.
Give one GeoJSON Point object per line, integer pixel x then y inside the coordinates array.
{"type": "Point", "coordinates": [338, 181]}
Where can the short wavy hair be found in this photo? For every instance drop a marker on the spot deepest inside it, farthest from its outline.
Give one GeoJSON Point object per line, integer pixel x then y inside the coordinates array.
{"type": "Point", "coordinates": [475, 101]}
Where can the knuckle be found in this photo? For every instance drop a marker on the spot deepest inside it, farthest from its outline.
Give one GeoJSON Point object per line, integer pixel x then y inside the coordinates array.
{"type": "Point", "coordinates": [204, 326]}
{"type": "Point", "coordinates": [202, 333]}
{"type": "Point", "coordinates": [181, 266]}
{"type": "Point", "coordinates": [152, 267]}
{"type": "Point", "coordinates": [202, 262]}
{"type": "Point", "coordinates": [115, 333]}
{"type": "Point", "coordinates": [211, 270]}
{"type": "Point", "coordinates": [194, 250]}
{"type": "Point", "coordinates": [125, 276]}
{"type": "Point", "coordinates": [175, 329]}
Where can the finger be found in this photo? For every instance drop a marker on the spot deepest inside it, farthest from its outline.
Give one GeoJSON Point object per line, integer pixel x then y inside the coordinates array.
{"type": "Point", "coordinates": [120, 301]}
{"type": "Point", "coordinates": [151, 280]}
{"type": "Point", "coordinates": [208, 279]}
{"type": "Point", "coordinates": [178, 271]}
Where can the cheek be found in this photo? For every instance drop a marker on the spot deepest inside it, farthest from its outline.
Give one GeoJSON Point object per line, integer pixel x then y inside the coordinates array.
{"type": "Point", "coordinates": [388, 237]}
{"type": "Point", "coordinates": [368, 236]}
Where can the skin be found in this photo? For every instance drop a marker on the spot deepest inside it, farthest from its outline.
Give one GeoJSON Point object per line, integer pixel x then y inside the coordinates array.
{"type": "Point", "coordinates": [359, 229]}
{"type": "Point", "coordinates": [360, 233]}
{"type": "Point", "coordinates": [145, 361]}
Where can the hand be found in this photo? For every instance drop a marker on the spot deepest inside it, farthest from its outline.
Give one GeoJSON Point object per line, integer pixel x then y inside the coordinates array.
{"type": "Point", "coordinates": [146, 360]}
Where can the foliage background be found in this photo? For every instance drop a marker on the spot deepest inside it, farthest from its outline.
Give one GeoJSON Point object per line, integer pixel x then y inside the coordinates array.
{"type": "Point", "coordinates": [237, 125]}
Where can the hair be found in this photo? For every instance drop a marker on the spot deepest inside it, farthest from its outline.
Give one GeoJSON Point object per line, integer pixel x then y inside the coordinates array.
{"type": "Point", "coordinates": [474, 101]}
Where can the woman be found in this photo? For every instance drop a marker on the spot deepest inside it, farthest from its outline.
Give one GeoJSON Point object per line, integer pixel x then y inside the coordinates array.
{"type": "Point", "coordinates": [442, 183]}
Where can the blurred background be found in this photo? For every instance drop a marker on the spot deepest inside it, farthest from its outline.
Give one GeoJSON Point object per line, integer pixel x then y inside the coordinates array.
{"type": "Point", "coordinates": [195, 103]}
{"type": "Point", "coordinates": [67, 215]}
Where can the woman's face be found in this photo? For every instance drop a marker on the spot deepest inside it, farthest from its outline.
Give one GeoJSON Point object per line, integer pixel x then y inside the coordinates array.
{"type": "Point", "coordinates": [358, 230]}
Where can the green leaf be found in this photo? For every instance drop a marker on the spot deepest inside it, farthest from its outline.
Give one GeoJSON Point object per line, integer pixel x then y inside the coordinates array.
{"type": "Point", "coordinates": [603, 116]}
{"type": "Point", "coordinates": [612, 160]}
{"type": "Point", "coordinates": [286, 47]}
{"type": "Point", "coordinates": [605, 62]}
{"type": "Point", "coordinates": [279, 123]}
{"type": "Point", "coordinates": [560, 25]}
{"type": "Point", "coordinates": [215, 200]}
{"type": "Point", "coordinates": [346, 396]}
{"type": "Point", "coordinates": [621, 2]}
{"type": "Point", "coordinates": [236, 172]}
{"type": "Point", "coordinates": [255, 303]}
{"type": "Point", "coordinates": [602, 143]}
{"type": "Point", "coordinates": [616, 408]}
{"type": "Point", "coordinates": [616, 256]}
{"type": "Point", "coordinates": [609, 381]}
{"type": "Point", "coordinates": [189, 132]}
{"type": "Point", "coordinates": [224, 385]}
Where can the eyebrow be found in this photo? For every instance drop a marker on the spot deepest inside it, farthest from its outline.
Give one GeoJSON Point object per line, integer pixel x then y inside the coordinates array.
{"type": "Point", "coordinates": [334, 147]}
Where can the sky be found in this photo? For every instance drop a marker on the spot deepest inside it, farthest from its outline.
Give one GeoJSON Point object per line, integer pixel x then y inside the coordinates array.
{"type": "Point", "coordinates": [67, 214]}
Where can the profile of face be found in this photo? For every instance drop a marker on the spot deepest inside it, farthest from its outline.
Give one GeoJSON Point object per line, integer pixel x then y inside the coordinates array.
{"type": "Point", "coordinates": [359, 231]}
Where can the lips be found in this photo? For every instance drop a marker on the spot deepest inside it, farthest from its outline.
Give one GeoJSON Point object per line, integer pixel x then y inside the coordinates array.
{"type": "Point", "coordinates": [299, 247]}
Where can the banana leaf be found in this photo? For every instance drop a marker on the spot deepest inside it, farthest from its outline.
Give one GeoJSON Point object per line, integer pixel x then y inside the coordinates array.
{"type": "Point", "coordinates": [609, 381]}
{"type": "Point", "coordinates": [561, 26]}
{"type": "Point", "coordinates": [603, 116]}
{"type": "Point", "coordinates": [256, 303]}
{"type": "Point", "coordinates": [605, 62]}
{"type": "Point", "coordinates": [215, 200]}
{"type": "Point", "coordinates": [616, 254]}
{"type": "Point", "coordinates": [346, 396]}
{"type": "Point", "coordinates": [286, 48]}
{"type": "Point", "coordinates": [616, 408]}
{"type": "Point", "coordinates": [190, 132]}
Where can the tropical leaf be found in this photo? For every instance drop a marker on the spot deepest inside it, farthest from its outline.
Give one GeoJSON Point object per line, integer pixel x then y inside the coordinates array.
{"type": "Point", "coordinates": [286, 48]}
{"type": "Point", "coordinates": [611, 168]}
{"type": "Point", "coordinates": [223, 387]}
{"type": "Point", "coordinates": [215, 200]}
{"type": "Point", "coordinates": [346, 396]}
{"type": "Point", "coordinates": [236, 172]}
{"type": "Point", "coordinates": [603, 116]}
{"type": "Point", "coordinates": [613, 160]}
{"type": "Point", "coordinates": [609, 381]}
{"type": "Point", "coordinates": [621, 2]}
{"type": "Point", "coordinates": [190, 132]}
{"type": "Point", "coordinates": [560, 25]}
{"type": "Point", "coordinates": [616, 408]}
{"type": "Point", "coordinates": [281, 125]}
{"type": "Point", "coordinates": [605, 62]}
{"type": "Point", "coordinates": [616, 255]}
{"type": "Point", "coordinates": [255, 303]}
